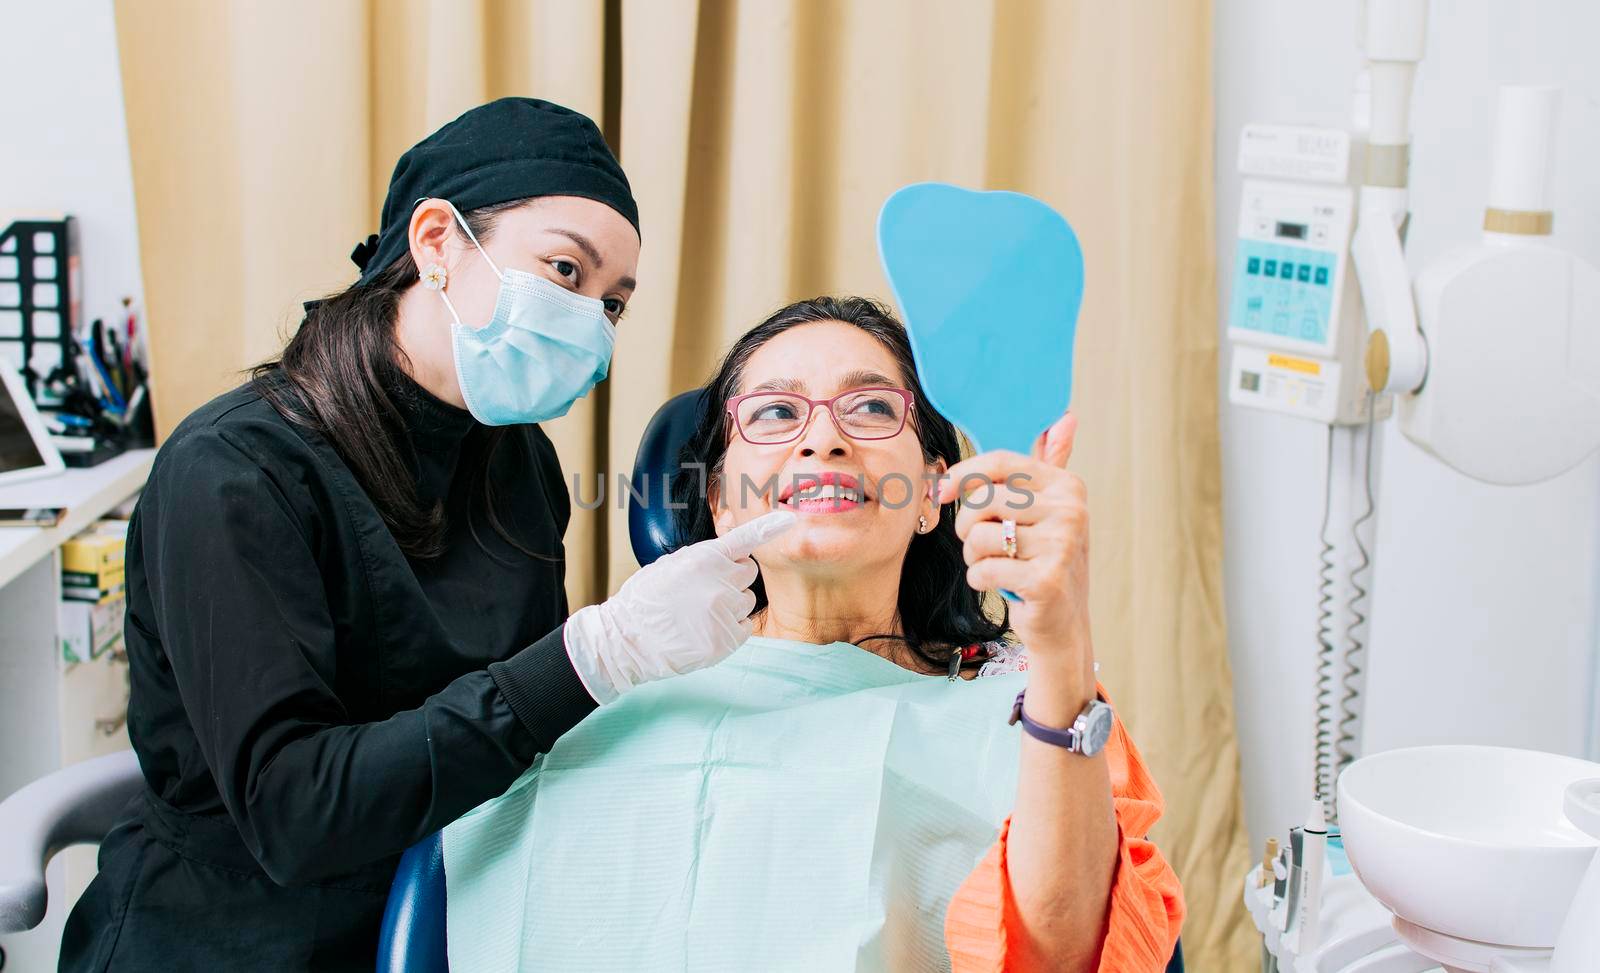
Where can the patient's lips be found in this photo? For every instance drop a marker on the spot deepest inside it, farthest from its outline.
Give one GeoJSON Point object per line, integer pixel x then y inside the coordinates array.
{"type": "Point", "coordinates": [826, 492]}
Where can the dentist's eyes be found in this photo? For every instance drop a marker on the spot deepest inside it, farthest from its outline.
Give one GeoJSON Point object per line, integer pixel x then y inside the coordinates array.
{"type": "Point", "coordinates": [573, 275]}
{"type": "Point", "coordinates": [567, 269]}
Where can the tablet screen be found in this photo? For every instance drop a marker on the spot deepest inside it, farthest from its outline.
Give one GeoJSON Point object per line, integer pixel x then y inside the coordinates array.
{"type": "Point", "coordinates": [18, 451]}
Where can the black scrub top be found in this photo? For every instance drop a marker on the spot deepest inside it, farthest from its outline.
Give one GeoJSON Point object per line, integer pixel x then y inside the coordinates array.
{"type": "Point", "coordinates": [307, 701]}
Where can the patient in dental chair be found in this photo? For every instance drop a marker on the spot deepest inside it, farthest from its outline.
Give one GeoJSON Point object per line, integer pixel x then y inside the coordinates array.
{"type": "Point", "coordinates": [845, 792]}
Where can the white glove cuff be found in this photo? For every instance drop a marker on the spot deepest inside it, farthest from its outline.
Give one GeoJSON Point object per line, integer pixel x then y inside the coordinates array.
{"type": "Point", "coordinates": [584, 631]}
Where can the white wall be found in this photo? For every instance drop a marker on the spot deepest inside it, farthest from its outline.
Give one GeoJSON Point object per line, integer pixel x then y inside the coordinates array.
{"type": "Point", "coordinates": [1484, 602]}
{"type": "Point", "coordinates": [64, 139]}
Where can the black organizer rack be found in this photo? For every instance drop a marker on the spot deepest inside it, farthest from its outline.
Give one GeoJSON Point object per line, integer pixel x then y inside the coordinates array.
{"type": "Point", "coordinates": [40, 295]}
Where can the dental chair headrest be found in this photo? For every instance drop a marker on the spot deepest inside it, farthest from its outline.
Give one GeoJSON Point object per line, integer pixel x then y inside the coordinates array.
{"type": "Point", "coordinates": [651, 528]}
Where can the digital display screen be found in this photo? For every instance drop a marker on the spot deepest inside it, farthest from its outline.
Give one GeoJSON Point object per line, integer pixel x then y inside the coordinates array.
{"type": "Point", "coordinates": [1294, 231]}
{"type": "Point", "coordinates": [17, 448]}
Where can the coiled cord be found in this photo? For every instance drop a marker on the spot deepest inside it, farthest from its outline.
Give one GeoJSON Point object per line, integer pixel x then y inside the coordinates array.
{"type": "Point", "coordinates": [1337, 717]}
{"type": "Point", "coordinates": [1356, 647]}
{"type": "Point", "coordinates": [1326, 758]}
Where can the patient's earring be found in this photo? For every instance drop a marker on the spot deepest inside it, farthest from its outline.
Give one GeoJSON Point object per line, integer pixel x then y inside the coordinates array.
{"type": "Point", "coordinates": [433, 278]}
{"type": "Point", "coordinates": [922, 525]}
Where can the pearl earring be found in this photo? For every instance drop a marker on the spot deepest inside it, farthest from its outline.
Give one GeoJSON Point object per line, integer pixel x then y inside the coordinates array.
{"type": "Point", "coordinates": [433, 278]}
{"type": "Point", "coordinates": [922, 525]}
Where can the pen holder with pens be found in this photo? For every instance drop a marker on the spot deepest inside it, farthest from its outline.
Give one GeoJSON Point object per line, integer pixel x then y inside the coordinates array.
{"type": "Point", "coordinates": [107, 408]}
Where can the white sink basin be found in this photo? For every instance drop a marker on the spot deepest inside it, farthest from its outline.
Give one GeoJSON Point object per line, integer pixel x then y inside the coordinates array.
{"type": "Point", "coordinates": [1468, 841]}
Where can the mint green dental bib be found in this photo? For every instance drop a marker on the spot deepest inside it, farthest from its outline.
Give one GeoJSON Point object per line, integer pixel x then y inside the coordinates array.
{"type": "Point", "coordinates": [797, 807]}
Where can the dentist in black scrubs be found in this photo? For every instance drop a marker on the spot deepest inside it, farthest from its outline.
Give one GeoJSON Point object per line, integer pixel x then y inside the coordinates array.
{"type": "Point", "coordinates": [346, 619]}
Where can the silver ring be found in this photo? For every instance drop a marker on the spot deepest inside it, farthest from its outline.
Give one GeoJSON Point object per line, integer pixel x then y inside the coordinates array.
{"type": "Point", "coordinates": [1008, 537]}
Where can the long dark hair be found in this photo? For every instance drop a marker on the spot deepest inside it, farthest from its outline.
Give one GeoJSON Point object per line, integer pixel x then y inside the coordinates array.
{"type": "Point", "coordinates": [338, 377]}
{"type": "Point", "coordinates": [938, 612]}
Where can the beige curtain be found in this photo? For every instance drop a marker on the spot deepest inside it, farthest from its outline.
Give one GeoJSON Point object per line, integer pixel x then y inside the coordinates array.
{"type": "Point", "coordinates": [761, 137]}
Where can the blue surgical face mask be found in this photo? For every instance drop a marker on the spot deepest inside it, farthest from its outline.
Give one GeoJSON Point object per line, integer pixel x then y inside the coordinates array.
{"type": "Point", "coordinates": [543, 349]}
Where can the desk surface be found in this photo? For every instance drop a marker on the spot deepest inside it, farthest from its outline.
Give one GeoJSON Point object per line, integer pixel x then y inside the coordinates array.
{"type": "Point", "coordinates": [86, 494]}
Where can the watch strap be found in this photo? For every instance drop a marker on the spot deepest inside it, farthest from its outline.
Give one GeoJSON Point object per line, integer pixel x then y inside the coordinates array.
{"type": "Point", "coordinates": [1065, 738]}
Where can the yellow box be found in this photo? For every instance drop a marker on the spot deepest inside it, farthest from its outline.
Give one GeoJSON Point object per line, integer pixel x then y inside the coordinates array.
{"type": "Point", "coordinates": [93, 553]}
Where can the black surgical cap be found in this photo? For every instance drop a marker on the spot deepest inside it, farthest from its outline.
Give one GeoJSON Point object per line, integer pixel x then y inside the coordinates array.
{"type": "Point", "coordinates": [510, 149]}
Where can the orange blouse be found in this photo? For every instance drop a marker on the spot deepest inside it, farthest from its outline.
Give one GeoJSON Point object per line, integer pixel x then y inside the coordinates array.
{"type": "Point", "coordinates": [1146, 907]}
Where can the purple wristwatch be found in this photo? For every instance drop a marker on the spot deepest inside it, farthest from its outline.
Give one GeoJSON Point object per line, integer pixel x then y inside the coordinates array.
{"type": "Point", "coordinates": [1087, 734]}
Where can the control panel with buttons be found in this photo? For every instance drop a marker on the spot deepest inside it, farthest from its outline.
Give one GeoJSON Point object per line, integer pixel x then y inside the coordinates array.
{"type": "Point", "coordinates": [1289, 268]}
{"type": "Point", "coordinates": [1295, 319]}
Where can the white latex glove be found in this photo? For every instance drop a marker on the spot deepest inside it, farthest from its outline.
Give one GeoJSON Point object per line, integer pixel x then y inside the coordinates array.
{"type": "Point", "coordinates": [687, 610]}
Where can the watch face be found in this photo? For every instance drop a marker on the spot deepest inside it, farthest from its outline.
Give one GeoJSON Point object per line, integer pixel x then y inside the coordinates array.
{"type": "Point", "coordinates": [1097, 730]}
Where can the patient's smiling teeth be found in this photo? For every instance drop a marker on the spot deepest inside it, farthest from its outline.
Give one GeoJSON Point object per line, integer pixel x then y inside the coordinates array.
{"type": "Point", "coordinates": [828, 491]}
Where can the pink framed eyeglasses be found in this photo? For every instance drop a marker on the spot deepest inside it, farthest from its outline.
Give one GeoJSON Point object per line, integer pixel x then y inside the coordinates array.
{"type": "Point", "coordinates": [771, 418]}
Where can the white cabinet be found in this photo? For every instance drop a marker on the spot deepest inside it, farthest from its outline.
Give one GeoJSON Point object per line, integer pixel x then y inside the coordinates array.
{"type": "Point", "coordinates": [53, 714]}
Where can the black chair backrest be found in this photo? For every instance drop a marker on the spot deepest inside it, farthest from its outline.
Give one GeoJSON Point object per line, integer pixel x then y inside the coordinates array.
{"type": "Point", "coordinates": [651, 528]}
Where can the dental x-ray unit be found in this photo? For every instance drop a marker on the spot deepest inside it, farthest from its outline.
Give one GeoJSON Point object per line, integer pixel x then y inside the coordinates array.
{"type": "Point", "coordinates": [1491, 360]}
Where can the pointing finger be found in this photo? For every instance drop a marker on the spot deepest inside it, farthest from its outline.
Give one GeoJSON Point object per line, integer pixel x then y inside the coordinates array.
{"type": "Point", "coordinates": [745, 538]}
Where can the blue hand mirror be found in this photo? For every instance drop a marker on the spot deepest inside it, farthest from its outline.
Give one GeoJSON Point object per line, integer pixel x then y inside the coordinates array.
{"type": "Point", "coordinates": [989, 284]}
